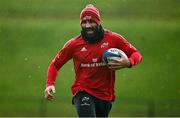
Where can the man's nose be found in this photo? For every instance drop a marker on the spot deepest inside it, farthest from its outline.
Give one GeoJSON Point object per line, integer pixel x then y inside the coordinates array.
{"type": "Point", "coordinates": [88, 25]}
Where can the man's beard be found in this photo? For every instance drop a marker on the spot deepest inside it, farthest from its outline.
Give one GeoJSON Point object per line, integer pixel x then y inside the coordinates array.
{"type": "Point", "coordinates": [94, 38]}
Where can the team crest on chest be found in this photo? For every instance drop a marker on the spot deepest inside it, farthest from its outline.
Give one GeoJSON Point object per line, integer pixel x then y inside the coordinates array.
{"type": "Point", "coordinates": [104, 45]}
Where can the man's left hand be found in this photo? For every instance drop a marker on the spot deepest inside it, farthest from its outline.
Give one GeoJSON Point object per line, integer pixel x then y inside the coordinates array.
{"type": "Point", "coordinates": [117, 63]}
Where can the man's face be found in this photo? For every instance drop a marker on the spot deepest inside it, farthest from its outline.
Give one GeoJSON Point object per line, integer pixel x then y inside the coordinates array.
{"type": "Point", "coordinates": [89, 27]}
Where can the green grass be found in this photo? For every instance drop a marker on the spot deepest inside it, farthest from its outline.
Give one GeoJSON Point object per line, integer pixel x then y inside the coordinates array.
{"type": "Point", "coordinates": [32, 32]}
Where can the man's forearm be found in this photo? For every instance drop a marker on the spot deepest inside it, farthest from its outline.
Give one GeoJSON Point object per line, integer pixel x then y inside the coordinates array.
{"type": "Point", "coordinates": [51, 75]}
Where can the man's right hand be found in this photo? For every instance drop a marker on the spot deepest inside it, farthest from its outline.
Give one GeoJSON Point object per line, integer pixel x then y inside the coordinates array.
{"type": "Point", "coordinates": [49, 92]}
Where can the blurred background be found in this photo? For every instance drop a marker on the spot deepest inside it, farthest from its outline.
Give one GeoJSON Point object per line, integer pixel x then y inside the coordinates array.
{"type": "Point", "coordinates": [33, 31]}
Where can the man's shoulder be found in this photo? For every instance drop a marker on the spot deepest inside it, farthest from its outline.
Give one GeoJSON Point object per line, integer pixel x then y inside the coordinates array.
{"type": "Point", "coordinates": [111, 33]}
{"type": "Point", "coordinates": [73, 40]}
{"type": "Point", "coordinates": [114, 36]}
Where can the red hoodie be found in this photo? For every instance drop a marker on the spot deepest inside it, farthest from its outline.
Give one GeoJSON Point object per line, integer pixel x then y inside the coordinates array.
{"type": "Point", "coordinates": [91, 74]}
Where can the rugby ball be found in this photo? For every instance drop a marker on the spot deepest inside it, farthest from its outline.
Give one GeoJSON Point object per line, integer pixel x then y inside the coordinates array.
{"type": "Point", "coordinates": [112, 52]}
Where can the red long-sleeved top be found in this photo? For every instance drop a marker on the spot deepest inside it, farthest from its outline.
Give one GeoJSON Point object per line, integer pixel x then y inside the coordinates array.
{"type": "Point", "coordinates": [91, 74]}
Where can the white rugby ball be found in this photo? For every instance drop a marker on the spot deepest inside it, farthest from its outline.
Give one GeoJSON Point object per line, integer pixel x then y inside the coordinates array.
{"type": "Point", "coordinates": [113, 52]}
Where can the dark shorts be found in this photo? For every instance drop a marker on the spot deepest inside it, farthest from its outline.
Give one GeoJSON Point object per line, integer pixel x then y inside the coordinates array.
{"type": "Point", "coordinates": [90, 106]}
